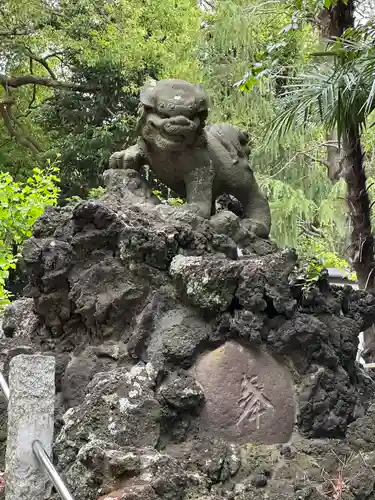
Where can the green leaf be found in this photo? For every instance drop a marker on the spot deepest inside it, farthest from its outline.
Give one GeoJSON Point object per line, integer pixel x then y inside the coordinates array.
{"type": "Point", "coordinates": [20, 206]}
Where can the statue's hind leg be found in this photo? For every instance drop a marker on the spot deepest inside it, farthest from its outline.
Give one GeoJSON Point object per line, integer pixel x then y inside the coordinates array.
{"type": "Point", "coordinates": [257, 215]}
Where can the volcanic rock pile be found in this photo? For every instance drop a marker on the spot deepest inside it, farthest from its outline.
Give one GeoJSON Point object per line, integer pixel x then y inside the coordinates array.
{"type": "Point", "coordinates": [186, 372]}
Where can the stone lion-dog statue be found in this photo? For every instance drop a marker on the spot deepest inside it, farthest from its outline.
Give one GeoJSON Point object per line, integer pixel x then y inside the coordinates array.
{"type": "Point", "coordinates": [199, 162]}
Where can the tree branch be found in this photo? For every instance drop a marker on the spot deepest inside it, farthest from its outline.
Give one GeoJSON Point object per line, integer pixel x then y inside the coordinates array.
{"type": "Point", "coordinates": [33, 99]}
{"type": "Point", "coordinates": [13, 132]}
{"type": "Point", "coordinates": [19, 81]}
{"type": "Point", "coordinates": [5, 143]}
{"type": "Point", "coordinates": [323, 162]}
{"type": "Point", "coordinates": [58, 53]}
{"type": "Point", "coordinates": [42, 61]}
{"type": "Point", "coordinates": [26, 136]}
{"type": "Point", "coordinates": [14, 33]}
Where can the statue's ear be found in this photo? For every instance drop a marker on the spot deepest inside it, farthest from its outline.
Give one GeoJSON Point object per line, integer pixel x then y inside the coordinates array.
{"type": "Point", "coordinates": [141, 113]}
{"type": "Point", "coordinates": [147, 93]}
{"type": "Point", "coordinates": [201, 98]}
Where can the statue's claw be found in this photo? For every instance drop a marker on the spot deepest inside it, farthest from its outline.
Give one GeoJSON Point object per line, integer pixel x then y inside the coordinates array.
{"type": "Point", "coordinates": [116, 159]}
{"type": "Point", "coordinates": [200, 209]}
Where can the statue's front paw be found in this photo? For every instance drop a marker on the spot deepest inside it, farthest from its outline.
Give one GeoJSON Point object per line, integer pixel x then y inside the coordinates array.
{"type": "Point", "coordinates": [127, 158]}
{"type": "Point", "coordinates": [116, 159]}
{"type": "Point", "coordinates": [199, 209]}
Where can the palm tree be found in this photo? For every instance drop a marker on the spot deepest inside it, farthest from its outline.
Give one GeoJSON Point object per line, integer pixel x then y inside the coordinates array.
{"type": "Point", "coordinates": [342, 96]}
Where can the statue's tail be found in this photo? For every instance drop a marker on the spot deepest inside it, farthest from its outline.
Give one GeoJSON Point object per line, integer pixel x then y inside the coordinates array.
{"type": "Point", "coordinates": [234, 140]}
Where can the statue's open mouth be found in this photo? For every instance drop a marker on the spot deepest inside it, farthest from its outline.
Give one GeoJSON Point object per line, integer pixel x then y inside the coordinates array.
{"type": "Point", "coordinates": [173, 137]}
{"type": "Point", "coordinates": [178, 133]}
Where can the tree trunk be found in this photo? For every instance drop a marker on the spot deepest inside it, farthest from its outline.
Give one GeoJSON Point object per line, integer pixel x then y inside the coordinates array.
{"type": "Point", "coordinates": [333, 22]}
{"type": "Point", "coordinates": [334, 156]}
{"type": "Point", "coordinates": [362, 241]}
{"type": "Point", "coordinates": [348, 164]}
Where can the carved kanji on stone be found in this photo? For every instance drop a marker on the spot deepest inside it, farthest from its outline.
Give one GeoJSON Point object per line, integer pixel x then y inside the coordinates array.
{"type": "Point", "coordinates": [253, 402]}
{"type": "Point", "coordinates": [249, 395]}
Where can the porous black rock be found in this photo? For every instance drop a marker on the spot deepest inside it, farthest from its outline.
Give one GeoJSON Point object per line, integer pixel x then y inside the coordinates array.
{"type": "Point", "coordinates": [128, 294]}
{"type": "Point", "coordinates": [181, 392]}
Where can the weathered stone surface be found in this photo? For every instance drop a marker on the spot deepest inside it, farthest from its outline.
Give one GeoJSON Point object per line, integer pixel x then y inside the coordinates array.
{"type": "Point", "coordinates": [249, 396]}
{"type": "Point", "coordinates": [30, 417]}
{"type": "Point", "coordinates": [361, 433]}
{"type": "Point", "coordinates": [305, 340]}
{"type": "Point", "coordinates": [181, 400]}
{"type": "Point", "coordinates": [102, 292]}
{"type": "Point", "coordinates": [99, 465]}
{"type": "Point", "coordinates": [179, 333]}
{"type": "Point", "coordinates": [241, 324]}
{"type": "Point", "coordinates": [119, 406]}
{"type": "Point", "coordinates": [81, 369]}
{"type": "Point", "coordinates": [181, 392]}
{"type": "Point", "coordinates": [218, 460]}
{"type": "Point", "coordinates": [3, 429]}
{"type": "Point", "coordinates": [126, 185]}
{"type": "Point", "coordinates": [137, 492]}
{"type": "Point", "coordinates": [19, 319]}
{"type": "Point", "coordinates": [106, 470]}
{"type": "Point", "coordinates": [263, 283]}
{"type": "Point", "coordinates": [9, 348]}
{"type": "Point", "coordinates": [326, 403]}
{"type": "Point", "coordinates": [344, 337]}
{"type": "Point", "coordinates": [209, 285]}
{"type": "Point", "coordinates": [165, 332]}
{"type": "Point", "coordinates": [125, 280]}
{"type": "Point", "coordinates": [225, 222]}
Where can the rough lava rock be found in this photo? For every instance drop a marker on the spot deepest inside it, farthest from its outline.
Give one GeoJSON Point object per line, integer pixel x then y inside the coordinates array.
{"type": "Point", "coordinates": [118, 404]}
{"type": "Point", "coordinates": [181, 392]}
{"type": "Point", "coordinates": [20, 320]}
{"type": "Point", "coordinates": [129, 294]}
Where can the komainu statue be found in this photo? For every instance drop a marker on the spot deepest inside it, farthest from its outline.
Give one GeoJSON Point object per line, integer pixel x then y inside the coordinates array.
{"type": "Point", "coordinates": [199, 162]}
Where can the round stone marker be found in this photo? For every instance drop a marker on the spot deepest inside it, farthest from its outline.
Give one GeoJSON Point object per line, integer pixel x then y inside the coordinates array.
{"type": "Point", "coordinates": [249, 395]}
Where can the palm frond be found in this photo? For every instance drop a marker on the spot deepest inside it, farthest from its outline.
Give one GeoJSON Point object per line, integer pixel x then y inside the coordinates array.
{"type": "Point", "coordinates": [340, 94]}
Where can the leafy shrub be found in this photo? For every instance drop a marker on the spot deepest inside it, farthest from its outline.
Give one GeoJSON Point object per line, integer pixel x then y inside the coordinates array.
{"type": "Point", "coordinates": [316, 255]}
{"type": "Point", "coordinates": [96, 193]}
{"type": "Point", "coordinates": [20, 206]}
{"type": "Point", "coordinates": [174, 202]}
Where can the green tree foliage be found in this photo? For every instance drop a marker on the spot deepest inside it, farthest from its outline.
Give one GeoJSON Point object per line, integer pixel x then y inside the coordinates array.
{"type": "Point", "coordinates": [20, 205]}
{"type": "Point", "coordinates": [251, 51]}
{"type": "Point", "coordinates": [315, 254]}
{"type": "Point", "coordinates": [72, 73]}
{"type": "Point", "coordinates": [292, 166]}
{"type": "Point", "coordinates": [341, 95]}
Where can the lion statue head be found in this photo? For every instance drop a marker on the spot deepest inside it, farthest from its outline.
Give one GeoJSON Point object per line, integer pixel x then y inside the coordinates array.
{"type": "Point", "coordinates": [172, 114]}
